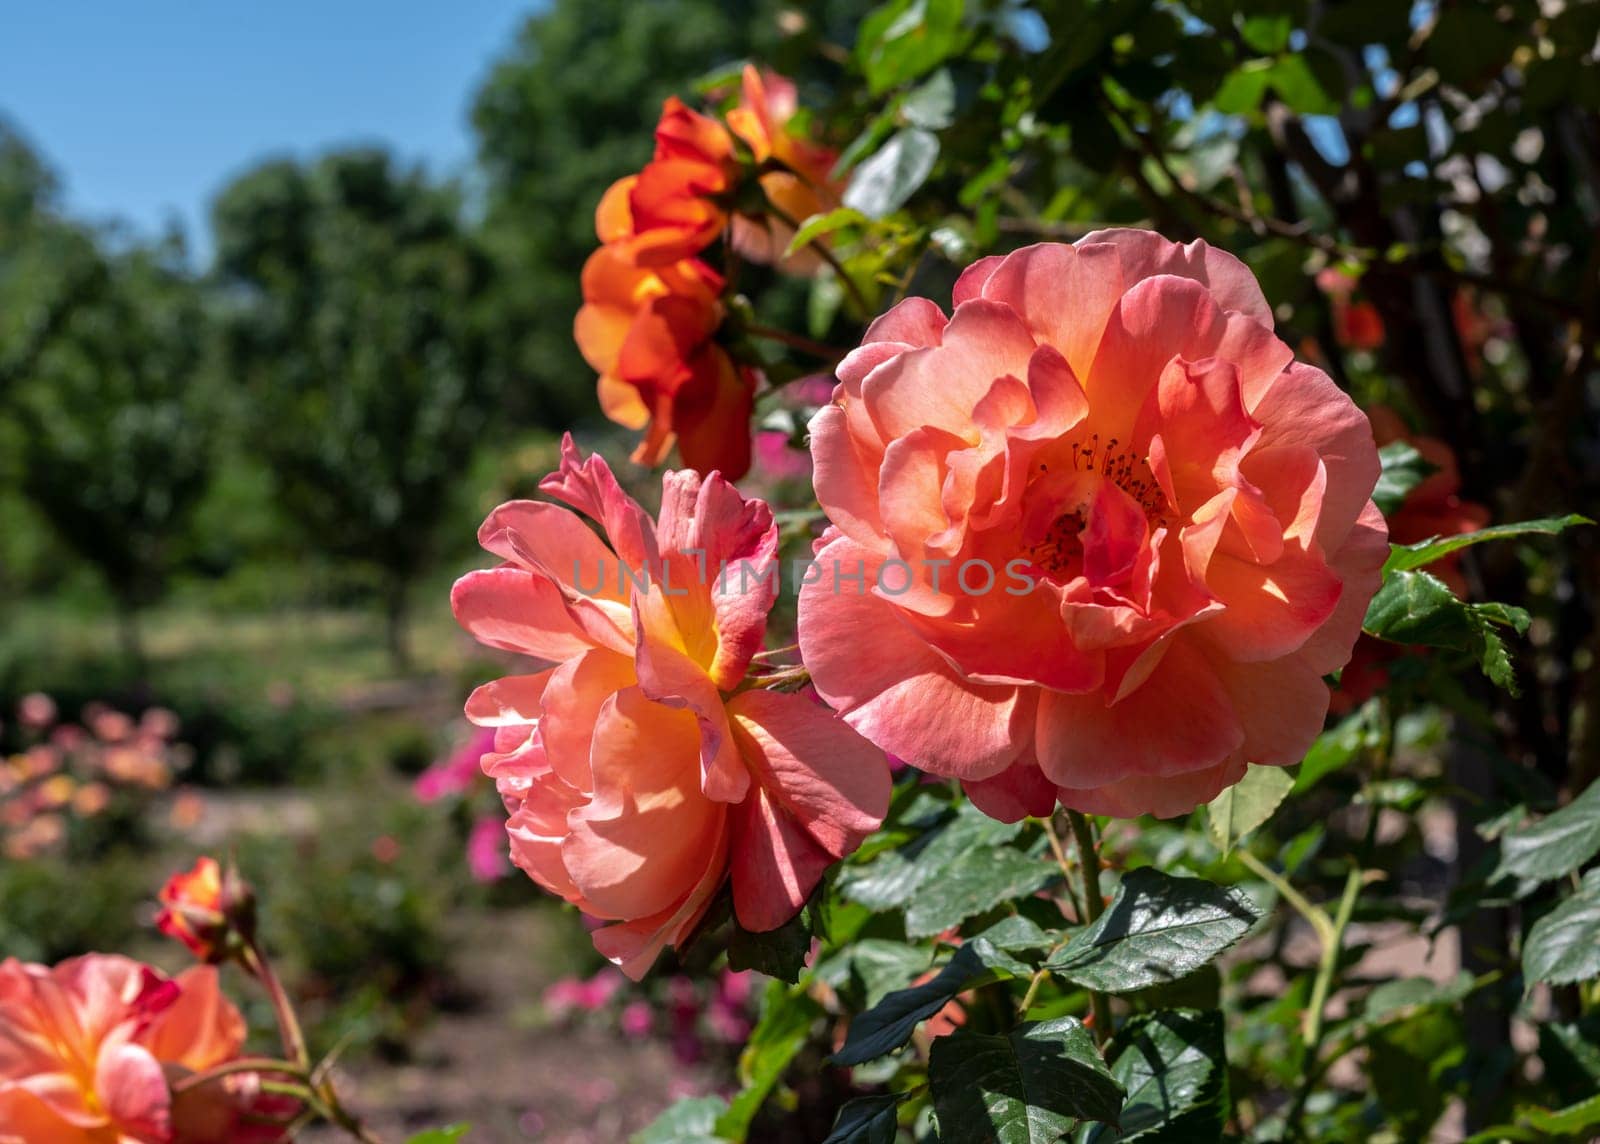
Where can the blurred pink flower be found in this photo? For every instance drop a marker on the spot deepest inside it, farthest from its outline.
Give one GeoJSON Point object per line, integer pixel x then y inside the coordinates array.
{"type": "Point", "coordinates": [158, 722]}
{"type": "Point", "coordinates": [36, 710]}
{"type": "Point", "coordinates": [777, 459]}
{"type": "Point", "coordinates": [458, 771]}
{"type": "Point", "coordinates": [571, 993]}
{"type": "Point", "coordinates": [636, 1018]}
{"type": "Point", "coordinates": [488, 857]}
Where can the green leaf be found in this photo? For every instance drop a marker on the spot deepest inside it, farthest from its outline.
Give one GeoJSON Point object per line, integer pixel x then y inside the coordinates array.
{"type": "Point", "coordinates": [890, 1023]}
{"type": "Point", "coordinates": [1299, 87]}
{"type": "Point", "coordinates": [1566, 1121]}
{"type": "Point", "coordinates": [882, 184]}
{"type": "Point", "coordinates": [1416, 608]}
{"type": "Point", "coordinates": [1563, 947]}
{"type": "Point", "coordinates": [1335, 748]}
{"type": "Point", "coordinates": [1406, 556]}
{"type": "Point", "coordinates": [867, 1120]}
{"type": "Point", "coordinates": [787, 1015]}
{"type": "Point", "coordinates": [892, 878]}
{"type": "Point", "coordinates": [933, 104]}
{"type": "Point", "coordinates": [1414, 992]}
{"type": "Point", "coordinates": [1404, 468]}
{"type": "Point", "coordinates": [779, 953]}
{"type": "Point", "coordinates": [1571, 1056]}
{"type": "Point", "coordinates": [1158, 928]}
{"type": "Point", "coordinates": [1017, 934]}
{"type": "Point", "coordinates": [1028, 1086]}
{"type": "Point", "coordinates": [975, 882]}
{"type": "Point", "coordinates": [1247, 804]}
{"type": "Point", "coordinates": [826, 223]}
{"type": "Point", "coordinates": [1174, 1068]}
{"type": "Point", "coordinates": [1556, 845]}
{"type": "Point", "coordinates": [440, 1135]}
{"type": "Point", "coordinates": [693, 1120]}
{"type": "Point", "coordinates": [904, 39]}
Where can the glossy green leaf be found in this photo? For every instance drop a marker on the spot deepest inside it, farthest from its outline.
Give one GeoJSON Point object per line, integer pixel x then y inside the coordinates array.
{"type": "Point", "coordinates": [1174, 1067]}
{"type": "Point", "coordinates": [1414, 607]}
{"type": "Point", "coordinates": [779, 953]}
{"type": "Point", "coordinates": [1404, 468]}
{"type": "Point", "coordinates": [1563, 947]}
{"type": "Point", "coordinates": [889, 1024]}
{"type": "Point", "coordinates": [867, 1120]}
{"type": "Point", "coordinates": [975, 882]}
{"type": "Point", "coordinates": [1247, 804]}
{"type": "Point", "coordinates": [1406, 556]}
{"type": "Point", "coordinates": [1157, 928]}
{"type": "Point", "coordinates": [1556, 845]}
{"type": "Point", "coordinates": [1028, 1086]}
{"type": "Point", "coordinates": [882, 184]}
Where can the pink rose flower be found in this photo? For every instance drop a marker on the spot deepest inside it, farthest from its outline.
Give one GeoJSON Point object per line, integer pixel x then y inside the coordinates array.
{"type": "Point", "coordinates": [1107, 535]}
{"type": "Point", "coordinates": [636, 781]}
{"type": "Point", "coordinates": [89, 1049]}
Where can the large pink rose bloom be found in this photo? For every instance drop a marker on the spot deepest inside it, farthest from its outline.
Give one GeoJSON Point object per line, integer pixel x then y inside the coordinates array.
{"type": "Point", "coordinates": [636, 779]}
{"type": "Point", "coordinates": [1177, 516]}
{"type": "Point", "coordinates": [89, 1048]}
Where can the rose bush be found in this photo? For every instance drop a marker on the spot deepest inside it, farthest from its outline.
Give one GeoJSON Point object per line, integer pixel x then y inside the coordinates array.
{"type": "Point", "coordinates": [1113, 535]}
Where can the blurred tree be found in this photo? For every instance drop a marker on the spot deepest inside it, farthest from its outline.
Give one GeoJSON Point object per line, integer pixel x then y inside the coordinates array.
{"type": "Point", "coordinates": [113, 406]}
{"type": "Point", "coordinates": [569, 109]}
{"type": "Point", "coordinates": [354, 305]}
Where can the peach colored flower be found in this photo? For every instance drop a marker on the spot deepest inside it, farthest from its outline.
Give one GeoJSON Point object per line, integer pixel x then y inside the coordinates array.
{"type": "Point", "coordinates": [649, 332]}
{"type": "Point", "coordinates": [1176, 517]}
{"type": "Point", "coordinates": [89, 1048]}
{"type": "Point", "coordinates": [798, 185]}
{"type": "Point", "coordinates": [637, 780]}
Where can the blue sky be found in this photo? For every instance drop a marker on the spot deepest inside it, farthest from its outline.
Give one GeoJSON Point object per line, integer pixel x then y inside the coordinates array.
{"type": "Point", "coordinates": [145, 108]}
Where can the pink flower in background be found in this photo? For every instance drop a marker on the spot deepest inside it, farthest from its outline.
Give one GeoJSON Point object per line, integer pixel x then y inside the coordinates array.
{"type": "Point", "coordinates": [487, 860]}
{"type": "Point", "coordinates": [571, 994]}
{"type": "Point", "coordinates": [458, 772]}
{"type": "Point", "coordinates": [1181, 510]}
{"type": "Point", "coordinates": [36, 711]}
{"type": "Point", "coordinates": [637, 784]}
{"type": "Point", "coordinates": [777, 459]}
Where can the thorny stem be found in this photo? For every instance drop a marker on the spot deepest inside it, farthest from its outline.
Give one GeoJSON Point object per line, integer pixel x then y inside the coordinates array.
{"type": "Point", "coordinates": [1093, 906]}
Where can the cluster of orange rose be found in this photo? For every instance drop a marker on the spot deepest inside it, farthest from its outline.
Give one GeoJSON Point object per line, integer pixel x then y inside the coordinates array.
{"type": "Point", "coordinates": [1096, 539]}
{"type": "Point", "coordinates": [653, 306]}
{"type": "Point", "coordinates": [71, 771]}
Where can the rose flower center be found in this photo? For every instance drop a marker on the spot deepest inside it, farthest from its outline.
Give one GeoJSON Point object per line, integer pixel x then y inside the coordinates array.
{"type": "Point", "coordinates": [1090, 510]}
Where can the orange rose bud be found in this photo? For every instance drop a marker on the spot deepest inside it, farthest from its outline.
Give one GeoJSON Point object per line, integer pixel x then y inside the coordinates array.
{"type": "Point", "coordinates": [210, 910]}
